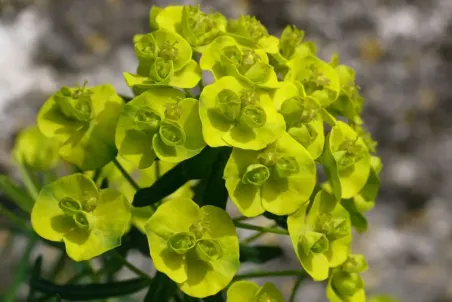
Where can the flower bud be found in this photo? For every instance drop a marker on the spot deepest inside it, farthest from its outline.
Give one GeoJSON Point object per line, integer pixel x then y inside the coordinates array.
{"type": "Point", "coordinates": [76, 105]}
{"type": "Point", "coordinates": [69, 206]}
{"type": "Point", "coordinates": [208, 249]}
{"type": "Point", "coordinates": [291, 37]}
{"type": "Point", "coordinates": [256, 174]}
{"type": "Point", "coordinates": [231, 54]}
{"type": "Point", "coordinates": [253, 116]}
{"type": "Point", "coordinates": [347, 284]}
{"type": "Point", "coordinates": [172, 133]}
{"type": "Point", "coordinates": [228, 104]}
{"type": "Point", "coordinates": [161, 69]}
{"type": "Point", "coordinates": [355, 264]}
{"type": "Point", "coordinates": [146, 48]}
{"type": "Point", "coordinates": [182, 242]}
{"type": "Point", "coordinates": [147, 119]}
{"type": "Point", "coordinates": [168, 51]}
{"type": "Point", "coordinates": [248, 27]}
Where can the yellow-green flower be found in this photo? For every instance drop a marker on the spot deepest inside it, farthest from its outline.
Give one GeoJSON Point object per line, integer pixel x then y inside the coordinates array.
{"type": "Point", "coordinates": [161, 123]}
{"type": "Point", "coordinates": [197, 27]}
{"type": "Point", "coordinates": [198, 248]}
{"type": "Point", "coordinates": [144, 178]}
{"type": "Point", "coordinates": [346, 161]}
{"type": "Point", "coordinates": [303, 117]}
{"type": "Point", "coordinates": [320, 237]}
{"type": "Point", "coordinates": [165, 59]}
{"type": "Point", "coordinates": [83, 120]}
{"type": "Point", "coordinates": [278, 179]}
{"type": "Point", "coordinates": [35, 150]}
{"type": "Point", "coordinates": [238, 116]}
{"type": "Point", "coordinates": [224, 56]}
{"type": "Point", "coordinates": [247, 291]}
{"type": "Point", "coordinates": [317, 77]}
{"type": "Point", "coordinates": [345, 283]}
{"type": "Point", "coordinates": [88, 221]}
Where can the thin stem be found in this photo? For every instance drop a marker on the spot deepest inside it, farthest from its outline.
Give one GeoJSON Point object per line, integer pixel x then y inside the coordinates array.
{"type": "Point", "coordinates": [260, 229]}
{"type": "Point", "coordinates": [30, 181]}
{"type": "Point", "coordinates": [240, 218]}
{"type": "Point", "coordinates": [296, 286]}
{"type": "Point", "coordinates": [189, 94]}
{"type": "Point", "coordinates": [126, 175]}
{"type": "Point", "coordinates": [59, 265]}
{"type": "Point", "coordinates": [255, 236]}
{"type": "Point", "coordinates": [288, 273]}
{"type": "Point", "coordinates": [13, 217]}
{"type": "Point", "coordinates": [130, 266]}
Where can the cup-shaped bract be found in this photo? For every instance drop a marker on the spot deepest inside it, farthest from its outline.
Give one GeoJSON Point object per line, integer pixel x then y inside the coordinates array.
{"type": "Point", "coordinates": [320, 237]}
{"type": "Point", "coordinates": [346, 161]}
{"type": "Point", "coordinates": [247, 291]}
{"type": "Point", "coordinates": [248, 31]}
{"type": "Point", "coordinates": [144, 178]}
{"type": "Point", "coordinates": [278, 179]}
{"type": "Point", "coordinates": [83, 120]}
{"type": "Point", "coordinates": [349, 102]}
{"type": "Point", "coordinates": [224, 56]}
{"type": "Point", "coordinates": [303, 117]}
{"type": "Point", "coordinates": [161, 123]}
{"type": "Point", "coordinates": [35, 150]}
{"type": "Point", "coordinates": [345, 282]}
{"type": "Point", "coordinates": [165, 59]}
{"type": "Point", "coordinates": [89, 221]}
{"type": "Point", "coordinates": [198, 248]}
{"type": "Point", "coordinates": [238, 116]}
{"type": "Point", "coordinates": [317, 77]}
{"type": "Point", "coordinates": [197, 27]}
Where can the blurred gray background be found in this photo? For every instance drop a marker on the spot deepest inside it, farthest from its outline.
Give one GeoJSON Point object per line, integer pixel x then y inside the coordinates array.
{"type": "Point", "coordinates": [401, 50]}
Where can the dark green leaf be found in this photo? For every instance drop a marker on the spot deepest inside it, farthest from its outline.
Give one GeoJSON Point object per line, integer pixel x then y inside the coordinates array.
{"type": "Point", "coordinates": [90, 291]}
{"type": "Point", "coordinates": [212, 188]}
{"type": "Point", "coordinates": [259, 253]}
{"type": "Point", "coordinates": [194, 168]}
{"type": "Point", "coordinates": [358, 220]}
{"type": "Point", "coordinates": [279, 220]}
{"type": "Point", "coordinates": [215, 298]}
{"type": "Point", "coordinates": [161, 288]}
{"type": "Point", "coordinates": [16, 194]}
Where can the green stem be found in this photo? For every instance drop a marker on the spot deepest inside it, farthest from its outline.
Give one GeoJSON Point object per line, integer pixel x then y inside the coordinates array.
{"type": "Point", "coordinates": [130, 266]}
{"type": "Point", "coordinates": [296, 287]}
{"type": "Point", "coordinates": [189, 94]}
{"type": "Point", "coordinates": [255, 236]}
{"type": "Point", "coordinates": [126, 175]}
{"type": "Point", "coordinates": [20, 222]}
{"type": "Point", "coordinates": [30, 182]}
{"type": "Point", "coordinates": [259, 228]}
{"type": "Point", "coordinates": [59, 265]}
{"type": "Point", "coordinates": [288, 273]}
{"type": "Point", "coordinates": [201, 85]}
{"type": "Point", "coordinates": [21, 271]}
{"type": "Point", "coordinates": [240, 218]}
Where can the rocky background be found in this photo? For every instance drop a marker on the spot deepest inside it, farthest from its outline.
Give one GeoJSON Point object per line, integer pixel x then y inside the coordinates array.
{"type": "Point", "coordinates": [401, 50]}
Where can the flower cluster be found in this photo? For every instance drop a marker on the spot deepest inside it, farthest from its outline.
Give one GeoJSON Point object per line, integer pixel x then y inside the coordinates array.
{"type": "Point", "coordinates": [282, 112]}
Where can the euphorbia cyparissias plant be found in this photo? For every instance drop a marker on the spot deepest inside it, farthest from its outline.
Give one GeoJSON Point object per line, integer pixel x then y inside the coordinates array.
{"type": "Point", "coordinates": [163, 164]}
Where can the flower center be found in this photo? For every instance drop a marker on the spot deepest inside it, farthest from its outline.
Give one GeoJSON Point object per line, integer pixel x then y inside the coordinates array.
{"type": "Point", "coordinates": [69, 206]}
{"type": "Point", "coordinates": [75, 105]}
{"type": "Point", "coordinates": [347, 284]}
{"type": "Point", "coordinates": [256, 174]}
{"type": "Point", "coordinates": [171, 133]}
{"type": "Point", "coordinates": [182, 242]}
{"type": "Point", "coordinates": [208, 249]}
{"type": "Point", "coordinates": [147, 119]}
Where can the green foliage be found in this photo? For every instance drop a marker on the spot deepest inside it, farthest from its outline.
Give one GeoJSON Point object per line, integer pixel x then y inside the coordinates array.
{"type": "Point", "coordinates": [159, 167]}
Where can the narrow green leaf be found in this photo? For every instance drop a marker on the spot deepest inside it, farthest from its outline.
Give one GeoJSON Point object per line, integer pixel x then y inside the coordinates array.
{"type": "Point", "coordinates": [279, 220]}
{"type": "Point", "coordinates": [259, 253]}
{"type": "Point", "coordinates": [161, 288]}
{"type": "Point", "coordinates": [17, 194]}
{"type": "Point", "coordinates": [90, 291]}
{"type": "Point", "coordinates": [212, 188]}
{"type": "Point", "coordinates": [194, 168]}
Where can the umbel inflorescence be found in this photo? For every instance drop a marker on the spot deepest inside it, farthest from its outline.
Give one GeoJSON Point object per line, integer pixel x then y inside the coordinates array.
{"type": "Point", "coordinates": [274, 115]}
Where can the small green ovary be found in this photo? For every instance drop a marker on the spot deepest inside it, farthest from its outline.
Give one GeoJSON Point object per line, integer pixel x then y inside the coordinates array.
{"type": "Point", "coordinates": [69, 206]}
{"type": "Point", "coordinates": [81, 220]}
{"type": "Point", "coordinates": [75, 105]}
{"type": "Point", "coordinates": [147, 119]}
{"type": "Point", "coordinates": [182, 242]}
{"type": "Point", "coordinates": [208, 249]}
{"type": "Point", "coordinates": [314, 242]}
{"type": "Point", "coordinates": [172, 133]}
{"type": "Point", "coordinates": [347, 284]}
{"type": "Point", "coordinates": [256, 175]}
{"type": "Point", "coordinates": [286, 166]}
